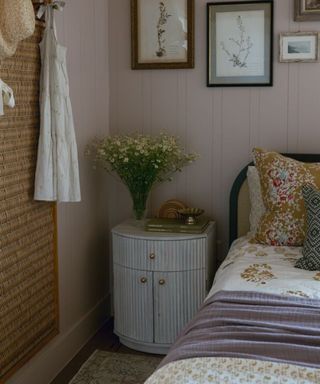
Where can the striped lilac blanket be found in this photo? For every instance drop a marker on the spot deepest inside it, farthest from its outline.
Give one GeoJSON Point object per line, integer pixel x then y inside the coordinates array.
{"type": "Point", "coordinates": [255, 326]}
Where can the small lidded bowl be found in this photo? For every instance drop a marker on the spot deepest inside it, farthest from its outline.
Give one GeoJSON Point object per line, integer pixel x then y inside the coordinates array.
{"type": "Point", "coordinates": [190, 214]}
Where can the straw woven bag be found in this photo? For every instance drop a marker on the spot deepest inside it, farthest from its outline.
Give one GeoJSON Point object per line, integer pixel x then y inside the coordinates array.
{"type": "Point", "coordinates": [17, 22]}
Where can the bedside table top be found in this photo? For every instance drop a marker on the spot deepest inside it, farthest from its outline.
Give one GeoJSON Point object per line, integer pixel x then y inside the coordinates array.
{"type": "Point", "coordinates": [135, 228]}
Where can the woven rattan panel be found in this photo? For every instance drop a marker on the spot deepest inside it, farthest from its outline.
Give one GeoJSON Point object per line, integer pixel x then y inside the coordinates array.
{"type": "Point", "coordinates": [28, 281]}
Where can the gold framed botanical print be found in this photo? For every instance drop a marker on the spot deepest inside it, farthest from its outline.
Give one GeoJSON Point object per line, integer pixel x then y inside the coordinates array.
{"type": "Point", "coordinates": [307, 10]}
{"type": "Point", "coordinates": [162, 34]}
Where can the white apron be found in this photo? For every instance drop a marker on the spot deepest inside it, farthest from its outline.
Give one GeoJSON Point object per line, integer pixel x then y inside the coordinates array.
{"type": "Point", "coordinates": [57, 172]}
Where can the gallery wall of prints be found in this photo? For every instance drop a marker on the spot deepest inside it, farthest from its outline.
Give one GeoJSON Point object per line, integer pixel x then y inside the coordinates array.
{"type": "Point", "coordinates": [28, 270]}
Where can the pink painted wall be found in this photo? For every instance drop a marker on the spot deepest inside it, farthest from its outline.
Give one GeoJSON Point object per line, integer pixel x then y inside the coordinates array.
{"type": "Point", "coordinates": [84, 283]}
{"type": "Point", "coordinates": [222, 125]}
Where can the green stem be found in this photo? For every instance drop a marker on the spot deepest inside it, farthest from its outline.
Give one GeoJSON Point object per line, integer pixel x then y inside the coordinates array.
{"type": "Point", "coordinates": [139, 200]}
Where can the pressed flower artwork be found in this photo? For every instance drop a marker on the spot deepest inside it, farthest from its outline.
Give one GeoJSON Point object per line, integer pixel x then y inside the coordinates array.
{"type": "Point", "coordinates": [162, 34]}
{"type": "Point", "coordinates": [161, 29]}
{"type": "Point", "coordinates": [240, 43]}
{"type": "Point", "coordinates": [241, 46]}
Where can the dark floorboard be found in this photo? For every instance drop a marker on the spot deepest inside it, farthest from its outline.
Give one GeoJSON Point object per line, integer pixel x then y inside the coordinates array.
{"type": "Point", "coordinates": [104, 340]}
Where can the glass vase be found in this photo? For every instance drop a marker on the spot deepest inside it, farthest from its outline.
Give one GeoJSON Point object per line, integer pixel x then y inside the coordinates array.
{"type": "Point", "coordinates": [139, 200]}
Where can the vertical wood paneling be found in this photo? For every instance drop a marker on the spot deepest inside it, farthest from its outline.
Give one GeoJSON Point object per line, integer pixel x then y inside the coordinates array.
{"type": "Point", "coordinates": [292, 89]}
{"type": "Point", "coordinates": [234, 143]}
{"type": "Point", "coordinates": [85, 35]}
{"type": "Point", "coordinates": [129, 98]}
{"type": "Point", "coordinates": [309, 109]}
{"type": "Point", "coordinates": [221, 124]}
{"type": "Point", "coordinates": [101, 81]}
{"type": "Point", "coordinates": [254, 124]}
{"type": "Point", "coordinates": [293, 108]}
{"type": "Point", "coordinates": [164, 100]}
{"type": "Point", "coordinates": [147, 101]}
{"type": "Point", "coordinates": [164, 107]}
{"type": "Point", "coordinates": [273, 101]}
{"type": "Point", "coordinates": [217, 161]}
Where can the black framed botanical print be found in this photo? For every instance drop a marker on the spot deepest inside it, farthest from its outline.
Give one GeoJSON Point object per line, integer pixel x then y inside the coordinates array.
{"type": "Point", "coordinates": [162, 34]}
{"type": "Point", "coordinates": [240, 43]}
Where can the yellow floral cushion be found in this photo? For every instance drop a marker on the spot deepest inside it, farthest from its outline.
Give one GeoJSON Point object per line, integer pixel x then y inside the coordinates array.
{"type": "Point", "coordinates": [282, 179]}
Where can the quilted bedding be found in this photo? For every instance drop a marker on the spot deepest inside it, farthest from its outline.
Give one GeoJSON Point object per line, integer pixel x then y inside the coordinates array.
{"type": "Point", "coordinates": [278, 341]}
{"type": "Point", "coordinates": [267, 269]}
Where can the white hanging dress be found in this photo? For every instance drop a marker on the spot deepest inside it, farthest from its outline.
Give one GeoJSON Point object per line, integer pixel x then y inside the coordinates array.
{"type": "Point", "coordinates": [57, 172]}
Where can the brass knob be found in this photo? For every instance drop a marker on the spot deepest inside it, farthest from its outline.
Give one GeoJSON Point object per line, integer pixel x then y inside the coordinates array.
{"type": "Point", "coordinates": [152, 256]}
{"type": "Point", "coordinates": [143, 280]}
{"type": "Point", "coordinates": [162, 282]}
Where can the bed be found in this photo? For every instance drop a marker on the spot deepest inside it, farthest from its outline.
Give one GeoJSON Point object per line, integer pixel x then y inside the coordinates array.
{"type": "Point", "coordinates": [260, 322]}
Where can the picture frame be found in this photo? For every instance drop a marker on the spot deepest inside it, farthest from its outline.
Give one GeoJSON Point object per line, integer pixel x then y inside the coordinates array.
{"type": "Point", "coordinates": [307, 10]}
{"type": "Point", "coordinates": [162, 34]}
{"type": "Point", "coordinates": [240, 44]}
{"type": "Point", "coordinates": [298, 47]}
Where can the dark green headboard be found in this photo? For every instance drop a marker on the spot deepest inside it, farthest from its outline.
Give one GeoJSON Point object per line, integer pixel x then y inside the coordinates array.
{"type": "Point", "coordinates": [236, 187]}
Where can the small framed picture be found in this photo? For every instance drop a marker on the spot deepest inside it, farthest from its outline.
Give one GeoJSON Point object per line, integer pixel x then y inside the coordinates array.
{"type": "Point", "coordinates": [162, 34]}
{"type": "Point", "coordinates": [299, 47]}
{"type": "Point", "coordinates": [307, 10]}
{"type": "Point", "coordinates": [240, 43]}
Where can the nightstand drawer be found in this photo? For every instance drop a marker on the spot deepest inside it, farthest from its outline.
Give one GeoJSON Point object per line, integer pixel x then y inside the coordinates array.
{"type": "Point", "coordinates": [159, 255]}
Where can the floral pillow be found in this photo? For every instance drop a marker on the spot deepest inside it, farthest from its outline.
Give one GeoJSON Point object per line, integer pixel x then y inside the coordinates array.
{"type": "Point", "coordinates": [282, 179]}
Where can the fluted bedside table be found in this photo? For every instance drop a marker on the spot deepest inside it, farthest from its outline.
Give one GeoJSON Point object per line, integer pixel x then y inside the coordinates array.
{"type": "Point", "coordinates": [160, 281]}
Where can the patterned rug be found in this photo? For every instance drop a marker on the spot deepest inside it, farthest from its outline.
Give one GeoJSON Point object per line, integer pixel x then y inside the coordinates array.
{"type": "Point", "coordinates": [116, 368]}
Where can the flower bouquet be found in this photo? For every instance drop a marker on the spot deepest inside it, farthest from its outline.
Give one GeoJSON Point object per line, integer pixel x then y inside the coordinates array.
{"type": "Point", "coordinates": [140, 161]}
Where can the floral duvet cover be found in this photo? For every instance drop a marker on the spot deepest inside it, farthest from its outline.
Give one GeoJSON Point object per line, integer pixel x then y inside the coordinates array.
{"type": "Point", "coordinates": [253, 268]}
{"type": "Point", "coordinates": [264, 268]}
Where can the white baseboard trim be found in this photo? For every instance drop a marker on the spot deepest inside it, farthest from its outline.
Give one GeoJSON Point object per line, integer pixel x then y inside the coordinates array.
{"type": "Point", "coordinates": [47, 364]}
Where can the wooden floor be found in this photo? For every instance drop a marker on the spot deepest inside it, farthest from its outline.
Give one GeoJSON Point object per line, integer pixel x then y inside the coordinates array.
{"type": "Point", "coordinates": [104, 340]}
